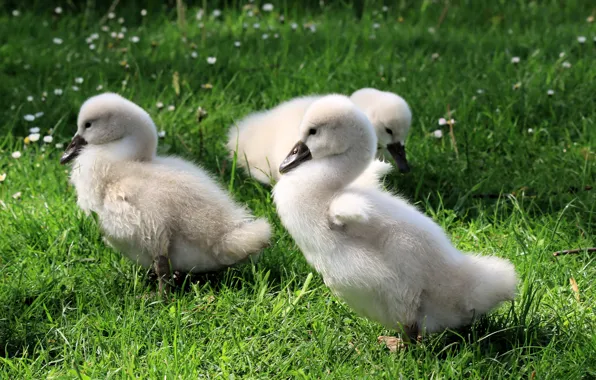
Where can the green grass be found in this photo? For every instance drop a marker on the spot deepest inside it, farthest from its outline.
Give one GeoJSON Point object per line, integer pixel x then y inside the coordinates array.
{"type": "Point", "coordinates": [70, 307]}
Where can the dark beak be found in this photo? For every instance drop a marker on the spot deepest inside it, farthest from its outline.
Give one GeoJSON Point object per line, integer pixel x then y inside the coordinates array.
{"type": "Point", "coordinates": [398, 151]}
{"type": "Point", "coordinates": [299, 154]}
{"type": "Point", "coordinates": [73, 149]}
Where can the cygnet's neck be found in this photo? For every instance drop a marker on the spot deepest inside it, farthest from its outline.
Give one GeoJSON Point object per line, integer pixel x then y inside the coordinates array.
{"type": "Point", "coordinates": [129, 148]}
{"type": "Point", "coordinates": [332, 173]}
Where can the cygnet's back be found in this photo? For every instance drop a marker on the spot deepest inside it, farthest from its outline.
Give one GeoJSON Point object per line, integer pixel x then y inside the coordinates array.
{"type": "Point", "coordinates": [262, 139]}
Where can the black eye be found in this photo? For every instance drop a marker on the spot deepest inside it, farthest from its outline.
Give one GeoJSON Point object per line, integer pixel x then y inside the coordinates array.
{"type": "Point", "coordinates": [87, 125]}
{"type": "Point", "coordinates": [312, 131]}
{"type": "Point", "coordinates": [389, 131]}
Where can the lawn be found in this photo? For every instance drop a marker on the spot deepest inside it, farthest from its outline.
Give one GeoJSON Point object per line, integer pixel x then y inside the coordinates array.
{"type": "Point", "coordinates": [514, 180]}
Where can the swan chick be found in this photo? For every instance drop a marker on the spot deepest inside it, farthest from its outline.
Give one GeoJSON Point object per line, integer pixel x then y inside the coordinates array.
{"type": "Point", "coordinates": [163, 212]}
{"type": "Point", "coordinates": [391, 118]}
{"type": "Point", "coordinates": [261, 140]}
{"type": "Point", "coordinates": [383, 257]}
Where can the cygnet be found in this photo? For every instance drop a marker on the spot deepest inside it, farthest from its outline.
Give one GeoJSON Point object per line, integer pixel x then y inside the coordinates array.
{"type": "Point", "coordinates": [262, 140]}
{"type": "Point", "coordinates": [161, 211]}
{"type": "Point", "coordinates": [382, 256]}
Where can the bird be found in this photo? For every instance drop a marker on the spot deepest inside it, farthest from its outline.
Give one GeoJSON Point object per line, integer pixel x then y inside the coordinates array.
{"type": "Point", "coordinates": [387, 260]}
{"type": "Point", "coordinates": [262, 139]}
{"type": "Point", "coordinates": [160, 211]}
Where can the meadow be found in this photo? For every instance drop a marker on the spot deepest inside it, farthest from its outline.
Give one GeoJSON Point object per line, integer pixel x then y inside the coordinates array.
{"type": "Point", "coordinates": [512, 176]}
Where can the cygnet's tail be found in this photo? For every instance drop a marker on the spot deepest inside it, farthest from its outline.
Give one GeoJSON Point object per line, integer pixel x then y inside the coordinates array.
{"type": "Point", "coordinates": [244, 240]}
{"type": "Point", "coordinates": [493, 281]}
{"type": "Point", "coordinates": [373, 175]}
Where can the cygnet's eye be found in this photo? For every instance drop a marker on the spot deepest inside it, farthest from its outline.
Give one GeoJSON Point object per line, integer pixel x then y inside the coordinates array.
{"type": "Point", "coordinates": [389, 131]}
{"type": "Point", "coordinates": [88, 124]}
{"type": "Point", "coordinates": [312, 131]}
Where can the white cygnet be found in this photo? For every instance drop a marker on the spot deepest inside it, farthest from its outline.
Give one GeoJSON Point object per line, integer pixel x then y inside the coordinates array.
{"type": "Point", "coordinates": [262, 140]}
{"type": "Point", "coordinates": [382, 256]}
{"type": "Point", "coordinates": [160, 211]}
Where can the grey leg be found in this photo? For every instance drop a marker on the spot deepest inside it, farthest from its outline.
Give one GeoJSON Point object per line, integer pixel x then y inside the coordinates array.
{"type": "Point", "coordinates": [162, 269]}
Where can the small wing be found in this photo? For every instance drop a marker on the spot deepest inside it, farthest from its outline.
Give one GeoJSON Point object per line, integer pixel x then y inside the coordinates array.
{"type": "Point", "coordinates": [349, 208]}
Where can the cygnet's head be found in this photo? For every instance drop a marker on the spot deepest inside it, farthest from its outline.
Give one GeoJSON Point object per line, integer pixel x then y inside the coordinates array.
{"type": "Point", "coordinates": [391, 117]}
{"type": "Point", "coordinates": [112, 122]}
{"type": "Point", "coordinates": [333, 127]}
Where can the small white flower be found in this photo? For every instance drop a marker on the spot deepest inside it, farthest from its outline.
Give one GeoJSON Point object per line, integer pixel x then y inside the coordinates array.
{"type": "Point", "coordinates": [211, 60]}
{"type": "Point", "coordinates": [171, 108]}
{"type": "Point", "coordinates": [143, 12]}
{"type": "Point", "coordinates": [105, 28]}
{"type": "Point", "coordinates": [16, 154]}
{"type": "Point", "coordinates": [94, 36]}
{"type": "Point", "coordinates": [120, 36]}
{"type": "Point", "coordinates": [2, 177]}
{"type": "Point", "coordinates": [48, 139]}
{"type": "Point", "coordinates": [58, 10]}
{"type": "Point", "coordinates": [442, 121]}
{"type": "Point", "coordinates": [515, 60]}
{"type": "Point", "coordinates": [34, 130]}
{"type": "Point", "coordinates": [121, 20]}
{"type": "Point", "coordinates": [256, 25]}
{"type": "Point", "coordinates": [29, 117]}
{"type": "Point", "coordinates": [92, 47]}
{"type": "Point", "coordinates": [480, 91]}
{"type": "Point", "coordinates": [566, 65]}
{"type": "Point", "coordinates": [58, 91]}
{"type": "Point", "coordinates": [194, 54]}
{"type": "Point", "coordinates": [57, 41]}
{"type": "Point", "coordinates": [267, 7]}
{"type": "Point", "coordinates": [17, 195]}
{"type": "Point", "coordinates": [161, 134]}
{"type": "Point", "coordinates": [276, 35]}
{"type": "Point", "coordinates": [99, 87]}
{"type": "Point", "coordinates": [385, 8]}
{"type": "Point", "coordinates": [124, 82]}
{"type": "Point", "coordinates": [265, 36]}
{"type": "Point", "coordinates": [134, 39]}
{"type": "Point", "coordinates": [435, 56]}
{"type": "Point", "coordinates": [200, 14]}
{"type": "Point", "coordinates": [16, 13]}
{"type": "Point", "coordinates": [294, 26]}
{"type": "Point", "coordinates": [59, 146]}
{"type": "Point", "coordinates": [38, 115]}
{"type": "Point", "coordinates": [431, 30]}
{"type": "Point", "coordinates": [159, 105]}
{"type": "Point", "coordinates": [111, 15]}
{"type": "Point", "coordinates": [114, 35]}
{"type": "Point", "coordinates": [79, 80]}
{"type": "Point", "coordinates": [29, 98]}
{"type": "Point", "coordinates": [562, 54]}
{"type": "Point", "coordinates": [216, 13]}
{"type": "Point", "coordinates": [451, 121]}
{"type": "Point", "coordinates": [75, 88]}
{"type": "Point", "coordinates": [581, 39]}
{"type": "Point", "coordinates": [438, 134]}
{"type": "Point", "coordinates": [530, 130]}
{"type": "Point", "coordinates": [282, 18]}
{"type": "Point", "coordinates": [517, 85]}
{"type": "Point", "coordinates": [550, 92]}
{"type": "Point", "coordinates": [34, 137]}
{"type": "Point", "coordinates": [88, 40]}
{"type": "Point", "coordinates": [313, 28]}
{"type": "Point", "coordinates": [376, 25]}
{"type": "Point", "coordinates": [237, 44]}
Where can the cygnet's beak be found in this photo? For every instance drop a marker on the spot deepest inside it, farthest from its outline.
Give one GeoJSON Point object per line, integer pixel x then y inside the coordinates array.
{"type": "Point", "coordinates": [398, 151]}
{"type": "Point", "coordinates": [299, 154]}
{"type": "Point", "coordinates": [73, 149]}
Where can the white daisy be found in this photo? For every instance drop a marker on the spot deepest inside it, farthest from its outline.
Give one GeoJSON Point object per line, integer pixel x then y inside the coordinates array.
{"type": "Point", "coordinates": [143, 12]}
{"type": "Point", "coordinates": [29, 117]}
{"type": "Point", "coordinates": [515, 60]}
{"type": "Point", "coordinates": [159, 105]}
{"type": "Point", "coordinates": [92, 47]}
{"type": "Point", "coordinates": [237, 44]}
{"type": "Point", "coordinates": [16, 13]}
{"type": "Point", "coordinates": [216, 13]}
{"type": "Point", "coordinates": [34, 130]}
{"type": "Point", "coordinates": [105, 28]}
{"type": "Point", "coordinates": [442, 121]}
{"type": "Point", "coordinates": [75, 88]}
{"type": "Point", "coordinates": [57, 41]}
{"type": "Point", "coordinates": [134, 39]}
{"type": "Point", "coordinates": [17, 195]}
{"type": "Point", "coordinates": [16, 154]}
{"type": "Point", "coordinates": [161, 134]}
{"type": "Point", "coordinates": [79, 80]}
{"type": "Point", "coordinates": [59, 145]}
{"type": "Point", "coordinates": [38, 115]}
{"type": "Point", "coordinates": [267, 7]}
{"type": "Point", "coordinates": [265, 36]}
{"type": "Point", "coordinates": [58, 10]}
{"type": "Point", "coordinates": [566, 65]}
{"type": "Point", "coordinates": [171, 108]}
{"type": "Point", "coordinates": [581, 39]}
{"type": "Point", "coordinates": [2, 177]}
{"type": "Point", "coordinates": [58, 91]}
{"type": "Point", "coordinates": [438, 134]}
{"type": "Point", "coordinates": [111, 15]}
{"type": "Point", "coordinates": [34, 137]}
{"type": "Point", "coordinates": [29, 98]}
{"type": "Point", "coordinates": [550, 92]}
{"type": "Point", "coordinates": [211, 60]}
{"type": "Point", "coordinates": [194, 54]}
{"type": "Point", "coordinates": [48, 139]}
